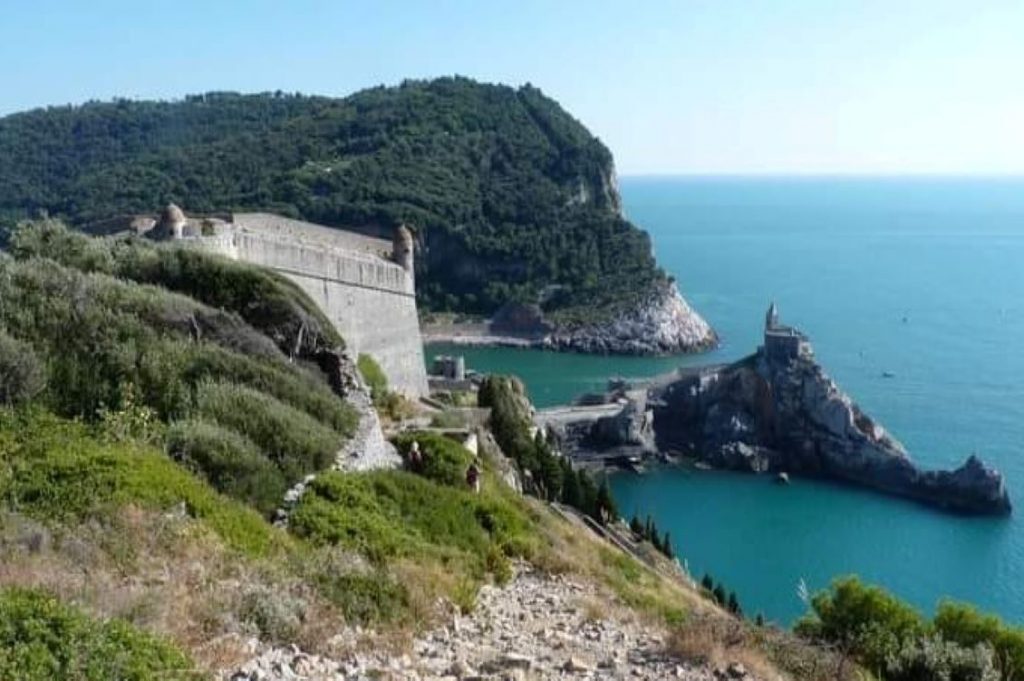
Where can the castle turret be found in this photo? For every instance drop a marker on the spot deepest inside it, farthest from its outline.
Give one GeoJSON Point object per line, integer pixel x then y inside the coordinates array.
{"type": "Point", "coordinates": [171, 224]}
{"type": "Point", "coordinates": [402, 248]}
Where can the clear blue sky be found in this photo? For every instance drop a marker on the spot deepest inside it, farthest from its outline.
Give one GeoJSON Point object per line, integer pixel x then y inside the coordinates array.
{"type": "Point", "coordinates": [672, 86]}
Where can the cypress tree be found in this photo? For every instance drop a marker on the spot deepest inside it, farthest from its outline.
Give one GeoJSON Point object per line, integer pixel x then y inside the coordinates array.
{"type": "Point", "coordinates": [708, 583]}
{"type": "Point", "coordinates": [570, 485]}
{"type": "Point", "coordinates": [734, 604]}
{"type": "Point", "coordinates": [605, 502]}
{"type": "Point", "coordinates": [719, 593]}
{"type": "Point", "coordinates": [666, 546]}
{"type": "Point", "coordinates": [588, 495]}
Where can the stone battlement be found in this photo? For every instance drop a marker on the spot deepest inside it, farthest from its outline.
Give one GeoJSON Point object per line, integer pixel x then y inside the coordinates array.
{"type": "Point", "coordinates": [330, 263]}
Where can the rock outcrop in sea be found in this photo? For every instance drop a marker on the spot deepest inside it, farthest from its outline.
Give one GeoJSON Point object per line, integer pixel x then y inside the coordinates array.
{"type": "Point", "coordinates": [777, 411]}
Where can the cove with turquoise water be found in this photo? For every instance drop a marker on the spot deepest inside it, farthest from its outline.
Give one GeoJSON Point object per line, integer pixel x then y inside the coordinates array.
{"type": "Point", "coordinates": [920, 278]}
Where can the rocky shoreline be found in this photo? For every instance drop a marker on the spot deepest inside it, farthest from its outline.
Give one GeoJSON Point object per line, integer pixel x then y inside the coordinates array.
{"type": "Point", "coordinates": [665, 324]}
{"type": "Point", "coordinates": [776, 411]}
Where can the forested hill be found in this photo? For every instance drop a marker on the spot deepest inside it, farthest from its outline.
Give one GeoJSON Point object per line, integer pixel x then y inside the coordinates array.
{"type": "Point", "coordinates": [509, 193]}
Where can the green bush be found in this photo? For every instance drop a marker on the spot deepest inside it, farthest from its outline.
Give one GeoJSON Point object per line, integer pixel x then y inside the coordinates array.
{"type": "Point", "coordinates": [21, 375]}
{"type": "Point", "coordinates": [893, 641]}
{"type": "Point", "coordinates": [965, 625]}
{"type": "Point", "coordinates": [364, 597]}
{"type": "Point", "coordinates": [42, 639]}
{"type": "Point", "coordinates": [862, 618]}
{"type": "Point", "coordinates": [230, 462]}
{"type": "Point", "coordinates": [297, 443]}
{"type": "Point", "coordinates": [441, 459]}
{"type": "Point", "coordinates": [96, 334]}
{"type": "Point", "coordinates": [385, 515]}
{"type": "Point", "coordinates": [264, 299]}
{"type": "Point", "coordinates": [374, 376]}
{"type": "Point", "coordinates": [51, 469]}
{"type": "Point", "coordinates": [931, 657]}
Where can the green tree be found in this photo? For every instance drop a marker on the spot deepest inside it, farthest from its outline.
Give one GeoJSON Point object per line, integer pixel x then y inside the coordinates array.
{"type": "Point", "coordinates": [571, 494]}
{"type": "Point", "coordinates": [666, 546]}
{"type": "Point", "coordinates": [636, 526]}
{"type": "Point", "coordinates": [606, 506]}
{"type": "Point", "coordinates": [707, 583]}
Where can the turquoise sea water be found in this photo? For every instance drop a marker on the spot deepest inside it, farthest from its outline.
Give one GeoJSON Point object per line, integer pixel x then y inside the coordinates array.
{"type": "Point", "coordinates": [923, 278]}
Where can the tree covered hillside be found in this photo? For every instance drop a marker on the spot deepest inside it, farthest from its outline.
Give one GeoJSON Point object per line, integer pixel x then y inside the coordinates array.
{"type": "Point", "coordinates": [510, 194]}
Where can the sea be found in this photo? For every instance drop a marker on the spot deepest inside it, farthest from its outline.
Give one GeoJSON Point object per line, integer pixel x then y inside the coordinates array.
{"type": "Point", "coordinates": [912, 292]}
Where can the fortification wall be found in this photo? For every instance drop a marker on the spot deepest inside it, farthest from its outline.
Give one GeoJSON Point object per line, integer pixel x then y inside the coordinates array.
{"type": "Point", "coordinates": [371, 301]}
{"type": "Point", "coordinates": [271, 225]}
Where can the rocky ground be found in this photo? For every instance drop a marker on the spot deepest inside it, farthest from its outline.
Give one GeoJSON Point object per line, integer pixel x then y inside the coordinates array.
{"type": "Point", "coordinates": [537, 627]}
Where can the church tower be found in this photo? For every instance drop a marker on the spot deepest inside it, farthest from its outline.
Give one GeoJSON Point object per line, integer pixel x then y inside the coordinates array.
{"type": "Point", "coordinates": [771, 318]}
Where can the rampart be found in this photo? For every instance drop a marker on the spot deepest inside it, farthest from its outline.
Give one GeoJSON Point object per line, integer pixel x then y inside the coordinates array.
{"type": "Point", "coordinates": [370, 300]}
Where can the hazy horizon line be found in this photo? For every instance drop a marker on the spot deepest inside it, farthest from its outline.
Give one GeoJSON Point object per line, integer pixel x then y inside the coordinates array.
{"type": "Point", "coordinates": [826, 175]}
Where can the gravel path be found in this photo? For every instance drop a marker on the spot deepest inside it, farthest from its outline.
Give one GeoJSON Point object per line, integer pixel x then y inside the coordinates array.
{"type": "Point", "coordinates": [536, 627]}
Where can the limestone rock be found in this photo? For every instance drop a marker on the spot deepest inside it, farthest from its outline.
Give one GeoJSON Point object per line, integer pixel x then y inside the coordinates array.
{"type": "Point", "coordinates": [664, 324]}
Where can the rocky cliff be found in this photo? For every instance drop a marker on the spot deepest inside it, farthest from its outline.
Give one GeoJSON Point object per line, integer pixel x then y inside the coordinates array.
{"type": "Point", "coordinates": [778, 414]}
{"type": "Point", "coordinates": [663, 324]}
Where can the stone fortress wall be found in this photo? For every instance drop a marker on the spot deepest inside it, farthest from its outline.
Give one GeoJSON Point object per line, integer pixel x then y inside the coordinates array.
{"type": "Point", "coordinates": [370, 298]}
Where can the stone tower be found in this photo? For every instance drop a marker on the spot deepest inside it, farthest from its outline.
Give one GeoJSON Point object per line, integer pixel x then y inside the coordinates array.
{"type": "Point", "coordinates": [771, 318]}
{"type": "Point", "coordinates": [402, 248]}
{"type": "Point", "coordinates": [171, 224]}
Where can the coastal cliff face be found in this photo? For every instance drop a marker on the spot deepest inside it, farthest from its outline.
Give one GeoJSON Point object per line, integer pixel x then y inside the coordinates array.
{"type": "Point", "coordinates": [785, 414]}
{"type": "Point", "coordinates": [664, 324]}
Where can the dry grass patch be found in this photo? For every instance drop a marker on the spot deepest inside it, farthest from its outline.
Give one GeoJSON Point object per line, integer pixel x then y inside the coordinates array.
{"type": "Point", "coordinates": [170, 576]}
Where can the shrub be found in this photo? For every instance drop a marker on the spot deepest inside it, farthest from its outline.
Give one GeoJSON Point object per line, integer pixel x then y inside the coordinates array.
{"type": "Point", "coordinates": [230, 462]}
{"type": "Point", "coordinates": [367, 597]}
{"type": "Point", "coordinates": [374, 376]}
{"type": "Point", "coordinates": [968, 627]}
{"type": "Point", "coordinates": [264, 299]}
{"type": "Point", "coordinates": [442, 459]}
{"type": "Point", "coordinates": [56, 470]}
{"type": "Point", "coordinates": [391, 514]}
{"type": "Point", "coordinates": [43, 639]}
{"type": "Point", "coordinates": [296, 442]}
{"type": "Point", "coordinates": [21, 376]}
{"type": "Point", "coordinates": [931, 657]}
{"type": "Point", "coordinates": [273, 615]}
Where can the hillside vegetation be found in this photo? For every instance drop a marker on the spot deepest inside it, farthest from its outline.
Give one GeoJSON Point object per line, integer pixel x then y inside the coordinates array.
{"type": "Point", "coordinates": [146, 437]}
{"type": "Point", "coordinates": [500, 181]}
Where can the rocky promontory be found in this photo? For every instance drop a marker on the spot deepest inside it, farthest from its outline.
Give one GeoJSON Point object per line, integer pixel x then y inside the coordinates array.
{"type": "Point", "coordinates": [777, 411]}
{"type": "Point", "coordinates": [663, 324]}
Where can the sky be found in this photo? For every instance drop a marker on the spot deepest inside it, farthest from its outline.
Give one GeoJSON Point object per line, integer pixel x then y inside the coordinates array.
{"type": "Point", "coordinates": [671, 86]}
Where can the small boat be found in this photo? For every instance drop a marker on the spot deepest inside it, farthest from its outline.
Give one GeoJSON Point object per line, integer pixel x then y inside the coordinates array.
{"type": "Point", "coordinates": [782, 478]}
{"type": "Point", "coordinates": [888, 374]}
{"type": "Point", "coordinates": [701, 466]}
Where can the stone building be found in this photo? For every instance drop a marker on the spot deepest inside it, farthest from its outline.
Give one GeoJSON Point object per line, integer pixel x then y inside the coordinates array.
{"type": "Point", "coordinates": [781, 342]}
